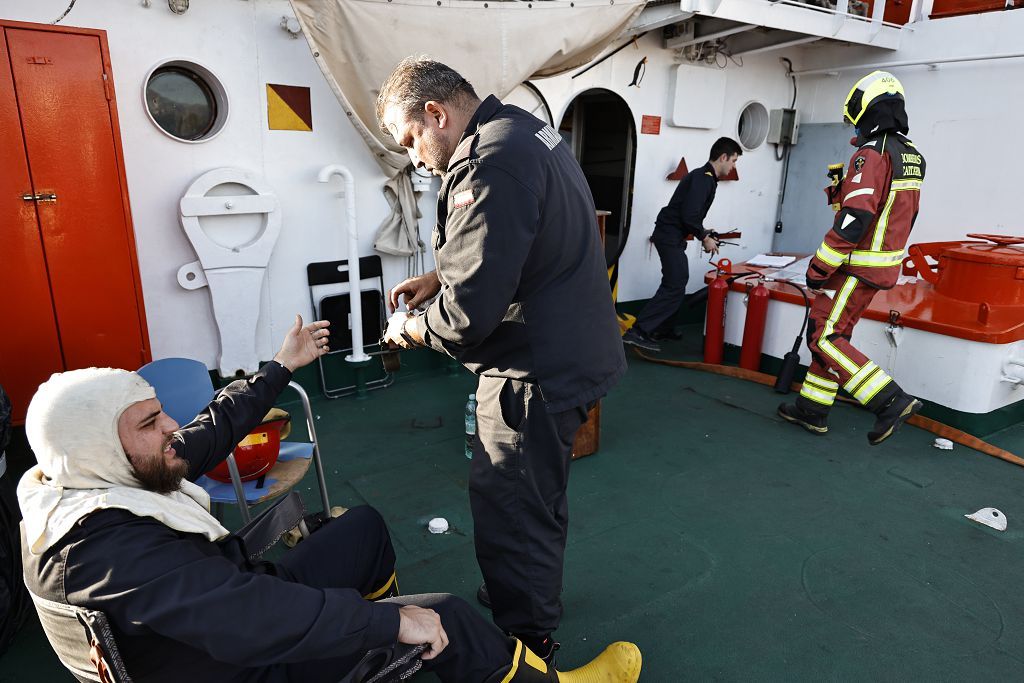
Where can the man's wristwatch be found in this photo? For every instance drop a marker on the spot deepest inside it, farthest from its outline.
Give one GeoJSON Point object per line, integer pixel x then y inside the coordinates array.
{"type": "Point", "coordinates": [405, 335]}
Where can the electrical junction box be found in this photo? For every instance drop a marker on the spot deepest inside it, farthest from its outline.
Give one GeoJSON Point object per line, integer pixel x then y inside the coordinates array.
{"type": "Point", "coordinates": [783, 127]}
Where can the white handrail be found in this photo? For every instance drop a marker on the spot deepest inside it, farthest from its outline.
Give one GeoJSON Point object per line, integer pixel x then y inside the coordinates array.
{"type": "Point", "coordinates": [355, 302]}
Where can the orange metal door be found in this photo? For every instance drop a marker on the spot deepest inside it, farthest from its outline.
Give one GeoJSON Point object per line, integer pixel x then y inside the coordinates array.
{"type": "Point", "coordinates": [68, 122]}
{"type": "Point", "coordinates": [29, 344]}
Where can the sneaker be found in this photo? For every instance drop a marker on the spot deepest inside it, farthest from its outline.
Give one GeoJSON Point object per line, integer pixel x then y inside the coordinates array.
{"type": "Point", "coordinates": [634, 337]}
{"type": "Point", "coordinates": [815, 423]}
{"type": "Point", "coordinates": [544, 647]}
{"type": "Point", "coordinates": [666, 334]}
{"type": "Point", "coordinates": [897, 411]}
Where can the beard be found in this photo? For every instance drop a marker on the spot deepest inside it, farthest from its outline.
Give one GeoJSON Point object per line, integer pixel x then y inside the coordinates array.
{"type": "Point", "coordinates": [436, 155]}
{"type": "Point", "coordinates": [156, 474]}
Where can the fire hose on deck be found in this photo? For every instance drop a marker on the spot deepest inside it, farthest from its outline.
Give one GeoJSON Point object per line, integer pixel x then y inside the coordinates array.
{"type": "Point", "coordinates": [925, 423]}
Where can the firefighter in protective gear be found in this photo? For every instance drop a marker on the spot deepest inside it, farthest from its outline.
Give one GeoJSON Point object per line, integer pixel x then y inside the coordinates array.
{"type": "Point", "coordinates": [861, 254]}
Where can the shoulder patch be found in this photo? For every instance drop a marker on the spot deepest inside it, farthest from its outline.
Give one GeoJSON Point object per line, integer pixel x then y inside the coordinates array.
{"type": "Point", "coordinates": [549, 136]}
{"type": "Point", "coordinates": [858, 163]}
{"type": "Point", "coordinates": [464, 198]}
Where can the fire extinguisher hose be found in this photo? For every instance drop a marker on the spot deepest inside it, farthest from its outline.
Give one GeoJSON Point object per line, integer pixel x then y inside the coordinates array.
{"type": "Point", "coordinates": [925, 423]}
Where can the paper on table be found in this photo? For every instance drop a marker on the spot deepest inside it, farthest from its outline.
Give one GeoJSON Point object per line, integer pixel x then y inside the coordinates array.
{"type": "Point", "coordinates": [771, 261]}
{"type": "Point", "coordinates": [794, 273]}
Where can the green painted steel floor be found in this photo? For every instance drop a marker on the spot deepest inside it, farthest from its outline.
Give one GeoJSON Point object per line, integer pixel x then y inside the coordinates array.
{"type": "Point", "coordinates": [728, 544]}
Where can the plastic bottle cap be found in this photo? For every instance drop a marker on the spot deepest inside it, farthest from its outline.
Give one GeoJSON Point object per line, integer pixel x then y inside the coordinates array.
{"type": "Point", "coordinates": [943, 444]}
{"type": "Point", "coordinates": [438, 525]}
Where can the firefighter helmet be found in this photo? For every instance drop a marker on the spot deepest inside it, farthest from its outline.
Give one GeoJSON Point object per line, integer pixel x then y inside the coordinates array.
{"type": "Point", "coordinates": [876, 86]}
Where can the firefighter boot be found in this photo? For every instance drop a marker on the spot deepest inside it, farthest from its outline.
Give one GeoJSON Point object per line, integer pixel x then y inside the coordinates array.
{"type": "Point", "coordinates": [806, 414]}
{"type": "Point", "coordinates": [619, 663]}
{"type": "Point", "coordinates": [891, 413]}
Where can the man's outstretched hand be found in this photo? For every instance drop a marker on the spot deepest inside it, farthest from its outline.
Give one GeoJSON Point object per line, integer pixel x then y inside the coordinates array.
{"type": "Point", "coordinates": [304, 344]}
{"type": "Point", "coordinates": [418, 625]}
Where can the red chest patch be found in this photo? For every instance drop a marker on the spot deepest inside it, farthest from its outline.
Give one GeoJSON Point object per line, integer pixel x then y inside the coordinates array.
{"type": "Point", "coordinates": [464, 198]}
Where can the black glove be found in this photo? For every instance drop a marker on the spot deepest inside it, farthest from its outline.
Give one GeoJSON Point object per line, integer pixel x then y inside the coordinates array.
{"type": "Point", "coordinates": [815, 278]}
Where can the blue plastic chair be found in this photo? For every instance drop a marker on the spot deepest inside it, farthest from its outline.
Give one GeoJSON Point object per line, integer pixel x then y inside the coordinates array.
{"type": "Point", "coordinates": [184, 388]}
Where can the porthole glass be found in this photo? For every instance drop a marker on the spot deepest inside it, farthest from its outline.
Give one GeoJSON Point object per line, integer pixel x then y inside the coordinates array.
{"type": "Point", "coordinates": [752, 128]}
{"type": "Point", "coordinates": [185, 101]}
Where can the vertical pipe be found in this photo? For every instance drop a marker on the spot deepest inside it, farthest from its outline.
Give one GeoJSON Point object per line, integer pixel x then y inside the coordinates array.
{"type": "Point", "coordinates": [355, 303]}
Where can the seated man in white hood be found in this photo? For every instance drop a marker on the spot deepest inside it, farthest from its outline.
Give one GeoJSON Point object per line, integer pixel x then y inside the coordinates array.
{"type": "Point", "coordinates": [113, 522]}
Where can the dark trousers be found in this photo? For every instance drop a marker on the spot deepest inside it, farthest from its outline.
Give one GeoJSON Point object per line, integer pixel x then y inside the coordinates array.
{"type": "Point", "coordinates": [517, 492]}
{"type": "Point", "coordinates": [354, 551]}
{"type": "Point", "coordinates": [675, 272]}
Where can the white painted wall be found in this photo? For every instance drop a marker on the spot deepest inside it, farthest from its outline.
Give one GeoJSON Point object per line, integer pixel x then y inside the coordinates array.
{"type": "Point", "coordinates": [243, 44]}
{"type": "Point", "coordinates": [964, 117]}
{"type": "Point", "coordinates": [747, 205]}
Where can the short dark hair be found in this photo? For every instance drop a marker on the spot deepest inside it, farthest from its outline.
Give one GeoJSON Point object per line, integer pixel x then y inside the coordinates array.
{"type": "Point", "coordinates": [418, 80]}
{"type": "Point", "coordinates": [726, 146]}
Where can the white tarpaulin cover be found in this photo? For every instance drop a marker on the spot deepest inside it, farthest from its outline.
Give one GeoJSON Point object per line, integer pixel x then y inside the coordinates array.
{"type": "Point", "coordinates": [496, 45]}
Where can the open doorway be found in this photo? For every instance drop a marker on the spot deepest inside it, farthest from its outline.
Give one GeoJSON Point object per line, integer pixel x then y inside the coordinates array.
{"type": "Point", "coordinates": [600, 128]}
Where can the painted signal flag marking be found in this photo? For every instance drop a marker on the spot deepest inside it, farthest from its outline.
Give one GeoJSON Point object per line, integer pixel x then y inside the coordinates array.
{"type": "Point", "coordinates": [288, 107]}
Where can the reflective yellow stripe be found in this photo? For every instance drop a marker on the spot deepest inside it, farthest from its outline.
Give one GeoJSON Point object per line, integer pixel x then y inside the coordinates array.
{"type": "Point", "coordinates": [872, 387]}
{"type": "Point", "coordinates": [827, 347]}
{"type": "Point", "coordinates": [878, 239]}
{"type": "Point", "coordinates": [812, 393]}
{"type": "Point", "coordinates": [382, 590]}
{"type": "Point", "coordinates": [515, 663]}
{"type": "Point", "coordinates": [860, 376]}
{"type": "Point", "coordinates": [830, 255]}
{"type": "Point", "coordinates": [875, 259]}
{"type": "Point", "coordinates": [821, 382]}
{"type": "Point", "coordinates": [898, 185]}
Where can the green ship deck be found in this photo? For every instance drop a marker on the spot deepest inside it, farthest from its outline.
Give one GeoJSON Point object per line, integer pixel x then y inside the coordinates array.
{"type": "Point", "coordinates": [728, 544]}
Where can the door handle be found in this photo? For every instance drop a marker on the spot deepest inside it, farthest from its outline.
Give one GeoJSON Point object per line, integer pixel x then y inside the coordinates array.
{"type": "Point", "coordinates": [41, 197]}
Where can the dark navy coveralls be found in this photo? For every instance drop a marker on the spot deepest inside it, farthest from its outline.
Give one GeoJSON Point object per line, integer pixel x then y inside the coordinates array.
{"type": "Point", "coordinates": [683, 215]}
{"type": "Point", "coordinates": [184, 608]}
{"type": "Point", "coordinates": [524, 303]}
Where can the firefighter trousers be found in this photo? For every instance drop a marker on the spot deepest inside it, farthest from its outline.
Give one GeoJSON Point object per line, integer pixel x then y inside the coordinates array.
{"type": "Point", "coordinates": [835, 362]}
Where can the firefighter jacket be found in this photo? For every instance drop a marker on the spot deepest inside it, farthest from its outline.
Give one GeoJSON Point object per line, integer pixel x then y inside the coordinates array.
{"type": "Point", "coordinates": [880, 196]}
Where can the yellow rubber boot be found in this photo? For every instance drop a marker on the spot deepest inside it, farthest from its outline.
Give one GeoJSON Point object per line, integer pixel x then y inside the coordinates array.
{"type": "Point", "coordinates": [619, 663]}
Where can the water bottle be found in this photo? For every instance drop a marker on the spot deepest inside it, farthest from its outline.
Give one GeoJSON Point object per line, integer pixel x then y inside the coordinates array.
{"type": "Point", "coordinates": [470, 425]}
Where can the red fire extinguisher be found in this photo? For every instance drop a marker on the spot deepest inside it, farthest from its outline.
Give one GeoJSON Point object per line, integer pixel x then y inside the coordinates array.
{"type": "Point", "coordinates": [714, 327]}
{"type": "Point", "coordinates": [753, 326]}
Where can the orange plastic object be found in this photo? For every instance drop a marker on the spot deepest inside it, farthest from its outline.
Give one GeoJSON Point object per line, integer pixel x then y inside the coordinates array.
{"type": "Point", "coordinates": [255, 454]}
{"type": "Point", "coordinates": [974, 292]}
{"type": "Point", "coordinates": [79, 296]}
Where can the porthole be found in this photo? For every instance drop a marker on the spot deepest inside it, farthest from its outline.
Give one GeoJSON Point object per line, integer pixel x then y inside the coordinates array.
{"type": "Point", "coordinates": [752, 128]}
{"type": "Point", "coordinates": [185, 101]}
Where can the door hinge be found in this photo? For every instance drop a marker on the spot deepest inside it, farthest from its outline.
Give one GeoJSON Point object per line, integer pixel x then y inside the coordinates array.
{"type": "Point", "coordinates": [41, 197]}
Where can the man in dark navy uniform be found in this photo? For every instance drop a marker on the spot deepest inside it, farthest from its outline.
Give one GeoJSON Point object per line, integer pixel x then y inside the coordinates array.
{"type": "Point", "coordinates": [682, 216]}
{"type": "Point", "coordinates": [520, 296]}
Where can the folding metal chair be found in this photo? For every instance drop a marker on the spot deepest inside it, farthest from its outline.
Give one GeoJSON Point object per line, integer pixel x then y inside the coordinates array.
{"type": "Point", "coordinates": [82, 637]}
{"type": "Point", "coordinates": [329, 304]}
{"type": "Point", "coordinates": [184, 388]}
